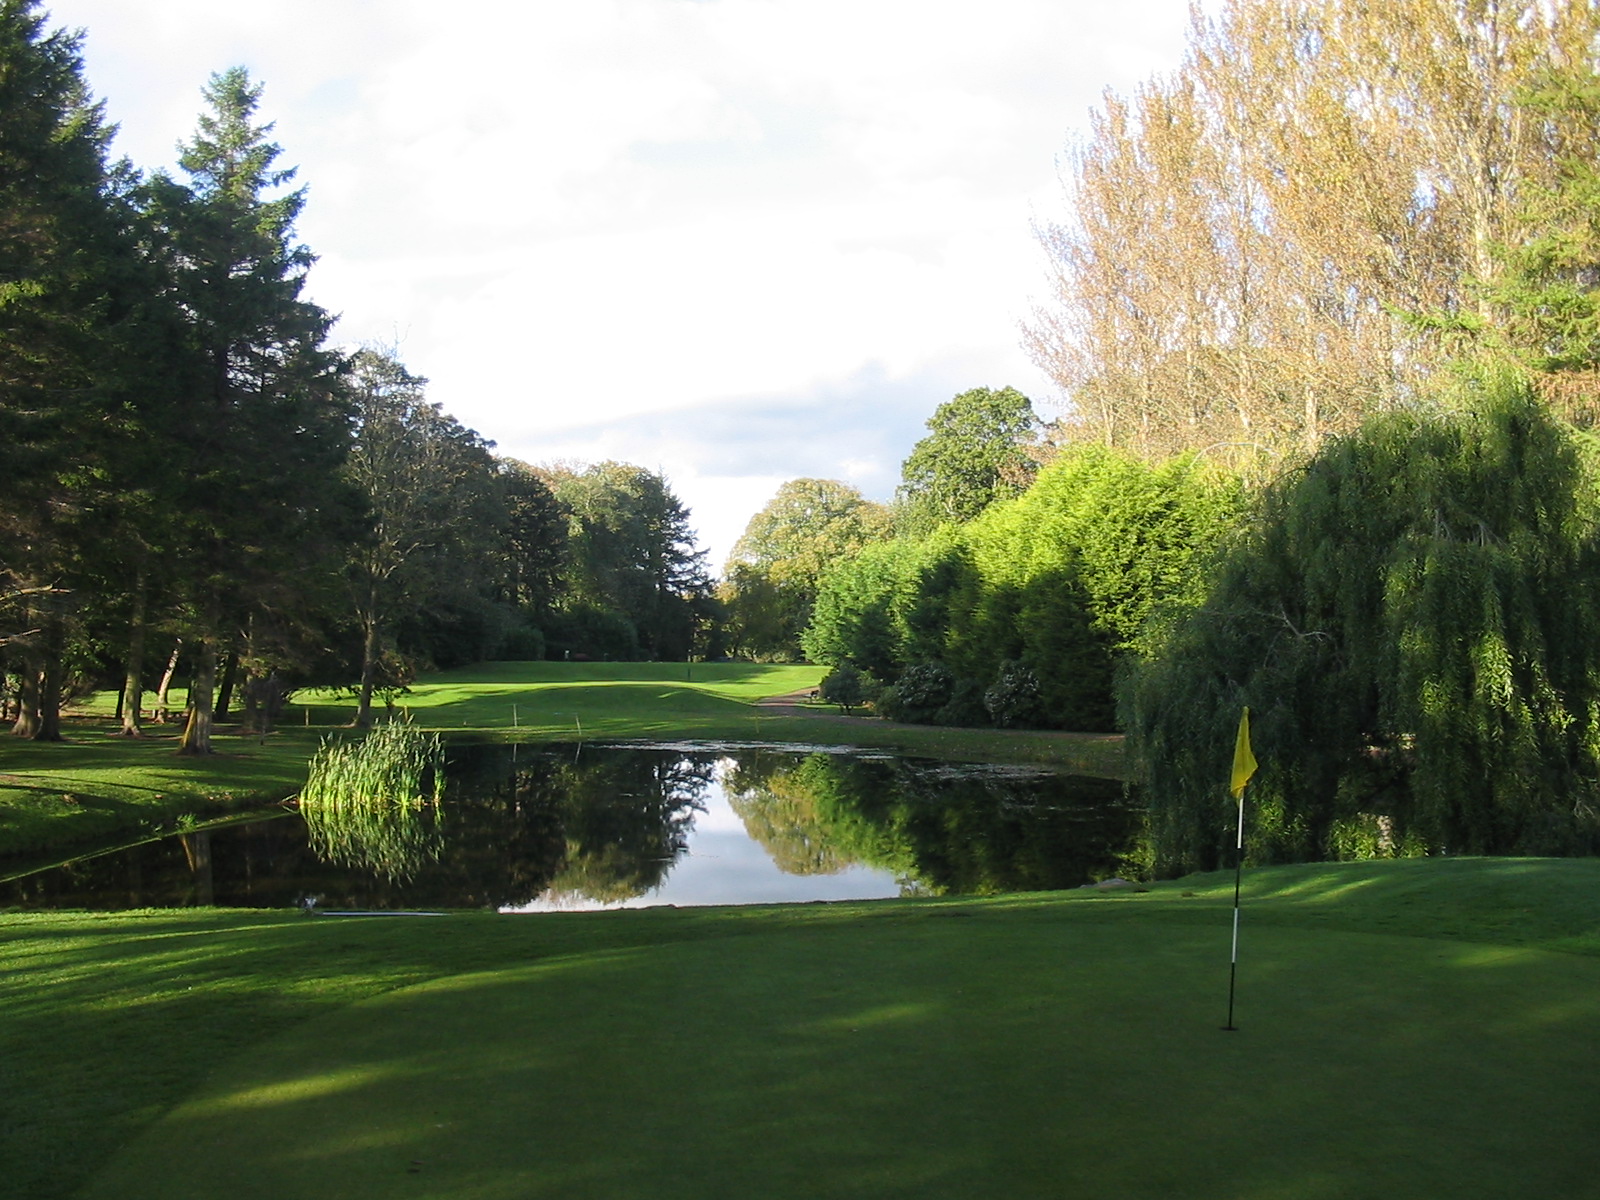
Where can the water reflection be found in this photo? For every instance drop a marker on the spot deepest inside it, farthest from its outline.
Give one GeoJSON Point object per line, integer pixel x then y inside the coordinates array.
{"type": "Point", "coordinates": [393, 840]}
{"type": "Point", "coordinates": [557, 828]}
{"type": "Point", "coordinates": [946, 828]}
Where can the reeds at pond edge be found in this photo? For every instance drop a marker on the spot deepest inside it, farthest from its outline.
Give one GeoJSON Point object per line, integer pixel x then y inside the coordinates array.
{"type": "Point", "coordinates": [370, 804]}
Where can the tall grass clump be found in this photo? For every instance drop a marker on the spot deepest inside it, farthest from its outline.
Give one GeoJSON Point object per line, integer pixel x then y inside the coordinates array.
{"type": "Point", "coordinates": [372, 804]}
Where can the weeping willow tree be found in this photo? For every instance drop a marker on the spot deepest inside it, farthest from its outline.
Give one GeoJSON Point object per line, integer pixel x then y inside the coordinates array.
{"type": "Point", "coordinates": [1413, 621]}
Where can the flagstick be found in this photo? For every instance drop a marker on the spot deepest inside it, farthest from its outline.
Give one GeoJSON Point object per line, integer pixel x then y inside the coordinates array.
{"type": "Point", "coordinates": [1238, 874]}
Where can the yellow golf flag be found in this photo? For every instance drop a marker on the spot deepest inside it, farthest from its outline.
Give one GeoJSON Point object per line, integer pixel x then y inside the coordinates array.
{"type": "Point", "coordinates": [1244, 762]}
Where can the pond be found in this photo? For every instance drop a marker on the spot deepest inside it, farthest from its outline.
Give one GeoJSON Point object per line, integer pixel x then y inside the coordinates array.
{"type": "Point", "coordinates": [566, 828]}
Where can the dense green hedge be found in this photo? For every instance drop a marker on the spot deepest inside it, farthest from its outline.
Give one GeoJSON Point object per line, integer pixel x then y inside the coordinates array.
{"type": "Point", "coordinates": [1057, 583]}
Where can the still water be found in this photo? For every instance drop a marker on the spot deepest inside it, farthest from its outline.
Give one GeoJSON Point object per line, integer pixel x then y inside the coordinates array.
{"type": "Point", "coordinates": [566, 828]}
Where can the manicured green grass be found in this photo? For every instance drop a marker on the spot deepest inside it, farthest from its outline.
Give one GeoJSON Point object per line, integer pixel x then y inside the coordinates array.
{"type": "Point", "coordinates": [1415, 1029]}
{"type": "Point", "coordinates": [55, 798]}
{"type": "Point", "coordinates": [97, 785]}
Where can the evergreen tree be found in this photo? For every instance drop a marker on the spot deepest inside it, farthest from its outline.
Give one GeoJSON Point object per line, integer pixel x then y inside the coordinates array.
{"type": "Point", "coordinates": [65, 296]}
{"type": "Point", "coordinates": [266, 426]}
{"type": "Point", "coordinates": [1056, 583]}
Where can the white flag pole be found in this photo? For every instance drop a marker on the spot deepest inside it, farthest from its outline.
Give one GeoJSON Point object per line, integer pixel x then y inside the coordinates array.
{"type": "Point", "coordinates": [1244, 766]}
{"type": "Point", "coordinates": [1238, 875]}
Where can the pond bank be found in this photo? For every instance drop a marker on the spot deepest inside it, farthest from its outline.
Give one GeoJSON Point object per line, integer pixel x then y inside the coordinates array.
{"type": "Point", "coordinates": [54, 796]}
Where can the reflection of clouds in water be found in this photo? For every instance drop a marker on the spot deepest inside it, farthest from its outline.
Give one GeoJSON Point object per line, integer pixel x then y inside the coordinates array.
{"type": "Point", "coordinates": [724, 865]}
{"type": "Point", "coordinates": [718, 815]}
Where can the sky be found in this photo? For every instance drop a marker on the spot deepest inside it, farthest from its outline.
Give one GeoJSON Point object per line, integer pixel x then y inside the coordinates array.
{"type": "Point", "coordinates": [734, 241]}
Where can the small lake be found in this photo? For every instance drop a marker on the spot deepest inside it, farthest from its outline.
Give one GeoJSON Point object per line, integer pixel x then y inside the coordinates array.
{"type": "Point", "coordinates": [573, 828]}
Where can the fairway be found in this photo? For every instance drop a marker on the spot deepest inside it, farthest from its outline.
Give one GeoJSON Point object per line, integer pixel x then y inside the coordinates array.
{"type": "Point", "coordinates": [1019, 1047]}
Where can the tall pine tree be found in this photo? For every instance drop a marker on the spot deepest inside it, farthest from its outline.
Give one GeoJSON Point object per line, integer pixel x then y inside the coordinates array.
{"type": "Point", "coordinates": [64, 256]}
{"type": "Point", "coordinates": [265, 424]}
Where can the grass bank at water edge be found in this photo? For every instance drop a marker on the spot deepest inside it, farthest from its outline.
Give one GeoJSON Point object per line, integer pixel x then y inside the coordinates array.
{"type": "Point", "coordinates": [97, 784]}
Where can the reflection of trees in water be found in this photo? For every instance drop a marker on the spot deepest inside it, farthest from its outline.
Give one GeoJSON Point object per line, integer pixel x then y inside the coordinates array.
{"type": "Point", "coordinates": [937, 827]}
{"type": "Point", "coordinates": [605, 823]}
{"type": "Point", "coordinates": [393, 839]}
{"type": "Point", "coordinates": [517, 824]}
{"type": "Point", "coordinates": [780, 812]}
{"type": "Point", "coordinates": [627, 818]}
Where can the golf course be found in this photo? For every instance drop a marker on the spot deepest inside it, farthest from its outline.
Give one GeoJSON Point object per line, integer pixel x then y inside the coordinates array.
{"type": "Point", "coordinates": [1403, 1028]}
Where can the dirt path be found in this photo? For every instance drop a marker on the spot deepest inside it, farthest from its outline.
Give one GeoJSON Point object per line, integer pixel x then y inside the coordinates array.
{"type": "Point", "coordinates": [801, 704]}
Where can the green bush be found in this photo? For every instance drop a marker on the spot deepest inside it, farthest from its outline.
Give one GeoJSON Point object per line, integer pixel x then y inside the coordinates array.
{"type": "Point", "coordinates": [846, 687]}
{"type": "Point", "coordinates": [1013, 699]}
{"type": "Point", "coordinates": [964, 707]}
{"type": "Point", "coordinates": [918, 694]}
{"type": "Point", "coordinates": [1061, 579]}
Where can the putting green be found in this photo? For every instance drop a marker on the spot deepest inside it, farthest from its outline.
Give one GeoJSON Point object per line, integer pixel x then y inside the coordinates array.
{"type": "Point", "coordinates": [880, 1058]}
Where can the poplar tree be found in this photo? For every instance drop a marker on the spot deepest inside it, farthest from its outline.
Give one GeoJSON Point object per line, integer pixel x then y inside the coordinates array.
{"type": "Point", "coordinates": [1253, 236]}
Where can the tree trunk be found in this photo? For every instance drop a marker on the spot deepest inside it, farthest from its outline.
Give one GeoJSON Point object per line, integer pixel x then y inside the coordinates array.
{"type": "Point", "coordinates": [49, 729]}
{"type": "Point", "coordinates": [133, 669]}
{"type": "Point", "coordinates": [369, 674]}
{"type": "Point", "coordinates": [196, 736]}
{"type": "Point", "coordinates": [163, 706]}
{"type": "Point", "coordinates": [230, 672]}
{"type": "Point", "coordinates": [39, 707]}
{"type": "Point", "coordinates": [27, 723]}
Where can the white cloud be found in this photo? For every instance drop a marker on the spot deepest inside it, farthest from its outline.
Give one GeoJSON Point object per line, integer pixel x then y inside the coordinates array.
{"type": "Point", "coordinates": [575, 216]}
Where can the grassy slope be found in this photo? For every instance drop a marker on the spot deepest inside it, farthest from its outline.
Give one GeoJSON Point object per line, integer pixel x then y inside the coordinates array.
{"type": "Point", "coordinates": [97, 784]}
{"type": "Point", "coordinates": [1406, 1029]}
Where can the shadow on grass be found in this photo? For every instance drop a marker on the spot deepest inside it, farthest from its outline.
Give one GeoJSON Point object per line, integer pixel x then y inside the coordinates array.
{"type": "Point", "coordinates": [98, 785]}
{"type": "Point", "coordinates": [919, 1058]}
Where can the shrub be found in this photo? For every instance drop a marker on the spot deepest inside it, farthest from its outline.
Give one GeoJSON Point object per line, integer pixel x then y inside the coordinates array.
{"type": "Point", "coordinates": [965, 706]}
{"type": "Point", "coordinates": [846, 687]}
{"type": "Point", "coordinates": [1013, 699]}
{"type": "Point", "coordinates": [919, 694]}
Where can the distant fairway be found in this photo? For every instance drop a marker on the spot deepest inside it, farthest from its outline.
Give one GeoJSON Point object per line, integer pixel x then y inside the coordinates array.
{"type": "Point", "coordinates": [1411, 1029]}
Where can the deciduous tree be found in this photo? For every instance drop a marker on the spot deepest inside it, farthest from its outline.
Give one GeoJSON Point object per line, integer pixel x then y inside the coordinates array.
{"type": "Point", "coordinates": [435, 513]}
{"type": "Point", "coordinates": [775, 567]}
{"type": "Point", "coordinates": [1250, 234]}
{"type": "Point", "coordinates": [979, 449]}
{"type": "Point", "coordinates": [632, 555]}
{"type": "Point", "coordinates": [1410, 621]}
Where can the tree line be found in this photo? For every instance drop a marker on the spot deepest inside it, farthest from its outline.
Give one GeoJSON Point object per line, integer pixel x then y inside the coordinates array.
{"type": "Point", "coordinates": [1327, 319]}
{"type": "Point", "coordinates": [198, 482]}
